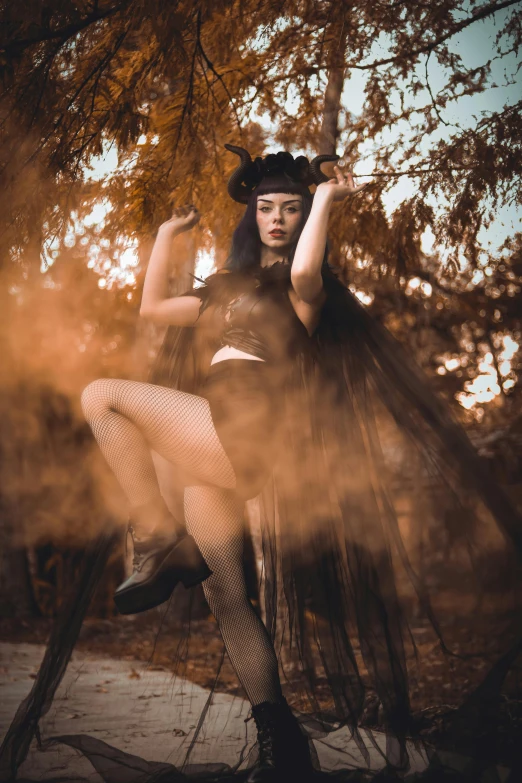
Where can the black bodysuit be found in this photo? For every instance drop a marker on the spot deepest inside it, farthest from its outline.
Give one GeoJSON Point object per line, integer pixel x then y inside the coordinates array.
{"type": "Point", "coordinates": [246, 396]}
{"type": "Point", "coordinates": [263, 323]}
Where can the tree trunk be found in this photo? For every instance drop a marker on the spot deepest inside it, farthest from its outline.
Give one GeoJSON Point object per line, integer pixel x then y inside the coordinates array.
{"type": "Point", "coordinates": [329, 132]}
{"type": "Point", "coordinates": [332, 104]}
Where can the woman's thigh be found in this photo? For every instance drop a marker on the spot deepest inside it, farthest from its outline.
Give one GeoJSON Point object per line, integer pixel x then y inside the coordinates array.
{"type": "Point", "coordinates": [176, 425]}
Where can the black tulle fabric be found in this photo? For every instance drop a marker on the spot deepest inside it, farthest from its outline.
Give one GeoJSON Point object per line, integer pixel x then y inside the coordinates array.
{"type": "Point", "coordinates": [343, 580]}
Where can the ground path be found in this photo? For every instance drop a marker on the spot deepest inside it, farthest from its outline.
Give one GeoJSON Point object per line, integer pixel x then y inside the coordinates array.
{"type": "Point", "coordinates": [137, 708]}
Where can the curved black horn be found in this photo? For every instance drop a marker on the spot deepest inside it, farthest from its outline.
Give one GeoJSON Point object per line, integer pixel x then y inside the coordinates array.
{"type": "Point", "coordinates": [236, 189]}
{"type": "Point", "coordinates": [315, 167]}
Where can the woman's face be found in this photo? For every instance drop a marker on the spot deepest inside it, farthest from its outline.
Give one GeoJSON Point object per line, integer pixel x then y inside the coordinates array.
{"type": "Point", "coordinates": [279, 217]}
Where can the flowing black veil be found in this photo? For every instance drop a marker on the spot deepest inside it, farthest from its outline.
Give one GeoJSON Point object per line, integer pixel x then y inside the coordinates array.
{"type": "Point", "coordinates": [378, 516]}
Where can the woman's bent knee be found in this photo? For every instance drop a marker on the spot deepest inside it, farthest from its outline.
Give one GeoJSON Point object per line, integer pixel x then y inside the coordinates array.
{"type": "Point", "coordinates": [95, 398]}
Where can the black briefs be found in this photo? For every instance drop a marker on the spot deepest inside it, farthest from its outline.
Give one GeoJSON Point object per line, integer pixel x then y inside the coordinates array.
{"type": "Point", "coordinates": [245, 404]}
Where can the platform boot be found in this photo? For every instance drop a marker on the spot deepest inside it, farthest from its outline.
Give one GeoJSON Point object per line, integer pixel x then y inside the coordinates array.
{"type": "Point", "coordinates": [284, 752]}
{"type": "Point", "coordinates": [161, 560]}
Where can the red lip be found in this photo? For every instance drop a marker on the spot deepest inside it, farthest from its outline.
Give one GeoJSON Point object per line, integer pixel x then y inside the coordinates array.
{"type": "Point", "coordinates": [277, 233]}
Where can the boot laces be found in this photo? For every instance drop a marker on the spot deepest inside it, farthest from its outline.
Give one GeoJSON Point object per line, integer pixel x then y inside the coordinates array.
{"type": "Point", "coordinates": [267, 738]}
{"type": "Point", "coordinates": [138, 558]}
{"type": "Point", "coordinates": [281, 741]}
{"type": "Point", "coordinates": [141, 548]}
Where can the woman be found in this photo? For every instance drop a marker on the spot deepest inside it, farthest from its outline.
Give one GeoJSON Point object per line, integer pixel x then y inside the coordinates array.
{"type": "Point", "coordinates": [310, 404]}
{"type": "Point", "coordinates": [224, 436]}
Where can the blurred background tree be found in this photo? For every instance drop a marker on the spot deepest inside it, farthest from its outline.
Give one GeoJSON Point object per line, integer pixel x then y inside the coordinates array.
{"type": "Point", "coordinates": [158, 88]}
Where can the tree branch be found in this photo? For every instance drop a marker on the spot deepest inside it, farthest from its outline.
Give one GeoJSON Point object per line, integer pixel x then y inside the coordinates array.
{"type": "Point", "coordinates": [217, 75]}
{"type": "Point", "coordinates": [428, 47]}
{"type": "Point", "coordinates": [433, 101]}
{"type": "Point", "coordinates": [64, 33]}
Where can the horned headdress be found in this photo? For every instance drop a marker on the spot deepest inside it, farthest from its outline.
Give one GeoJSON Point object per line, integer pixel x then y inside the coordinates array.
{"type": "Point", "coordinates": [249, 173]}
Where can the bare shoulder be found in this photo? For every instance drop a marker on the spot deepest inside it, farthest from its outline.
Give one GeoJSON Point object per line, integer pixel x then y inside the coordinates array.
{"type": "Point", "coordinates": [309, 313]}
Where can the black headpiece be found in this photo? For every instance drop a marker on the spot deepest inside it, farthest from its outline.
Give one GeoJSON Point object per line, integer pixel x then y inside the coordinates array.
{"type": "Point", "coordinates": [250, 172]}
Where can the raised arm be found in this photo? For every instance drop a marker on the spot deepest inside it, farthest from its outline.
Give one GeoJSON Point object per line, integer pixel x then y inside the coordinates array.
{"type": "Point", "coordinates": [306, 266]}
{"type": "Point", "coordinates": [156, 304]}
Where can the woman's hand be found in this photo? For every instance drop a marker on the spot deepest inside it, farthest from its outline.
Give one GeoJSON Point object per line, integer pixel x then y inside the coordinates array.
{"type": "Point", "coordinates": [183, 219]}
{"type": "Point", "coordinates": [341, 186]}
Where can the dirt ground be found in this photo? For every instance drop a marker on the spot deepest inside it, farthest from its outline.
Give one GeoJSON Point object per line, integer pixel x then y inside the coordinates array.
{"type": "Point", "coordinates": [438, 682]}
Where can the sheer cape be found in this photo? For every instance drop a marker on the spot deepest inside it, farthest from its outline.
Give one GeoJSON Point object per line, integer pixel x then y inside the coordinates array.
{"type": "Point", "coordinates": [379, 514]}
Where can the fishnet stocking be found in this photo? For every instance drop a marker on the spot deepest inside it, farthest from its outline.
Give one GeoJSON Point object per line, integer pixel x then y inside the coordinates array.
{"type": "Point", "coordinates": [129, 418]}
{"type": "Point", "coordinates": [215, 518]}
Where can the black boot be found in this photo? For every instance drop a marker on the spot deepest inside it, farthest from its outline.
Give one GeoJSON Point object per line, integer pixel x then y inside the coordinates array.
{"type": "Point", "coordinates": [160, 562]}
{"type": "Point", "coordinates": [284, 752]}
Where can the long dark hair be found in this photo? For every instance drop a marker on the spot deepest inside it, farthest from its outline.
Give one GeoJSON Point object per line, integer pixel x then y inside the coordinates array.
{"type": "Point", "coordinates": [245, 251]}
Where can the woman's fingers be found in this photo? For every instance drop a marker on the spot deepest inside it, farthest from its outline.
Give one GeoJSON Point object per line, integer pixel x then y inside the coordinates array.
{"type": "Point", "coordinates": [364, 186]}
{"type": "Point", "coordinates": [344, 179]}
{"type": "Point", "coordinates": [184, 217]}
{"type": "Point", "coordinates": [347, 181]}
{"type": "Point", "coordinates": [339, 174]}
{"type": "Point", "coordinates": [184, 211]}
